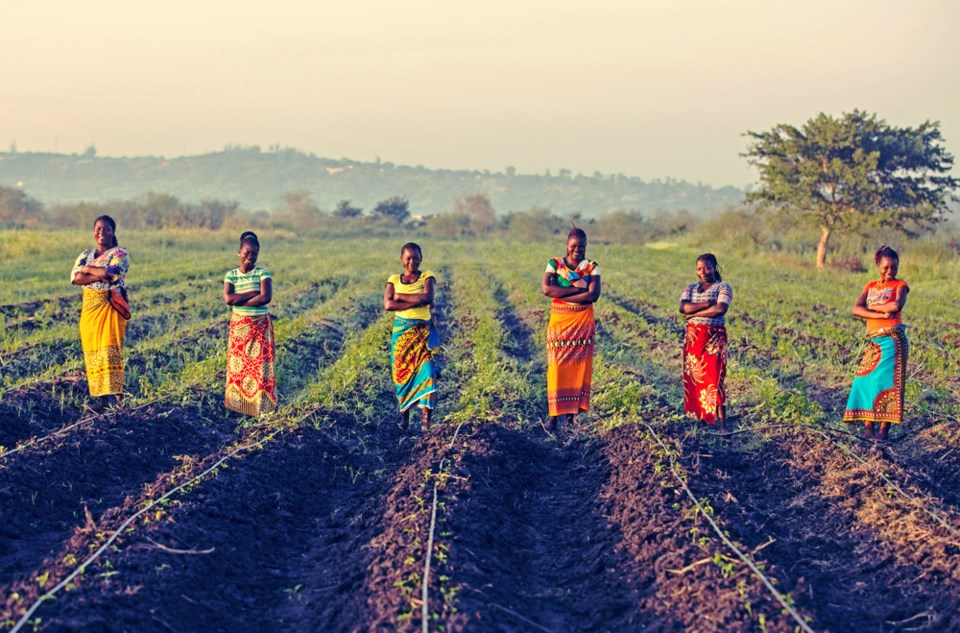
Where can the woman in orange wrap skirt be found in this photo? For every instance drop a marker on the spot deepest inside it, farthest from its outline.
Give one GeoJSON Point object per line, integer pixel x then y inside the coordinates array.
{"type": "Point", "coordinates": [573, 283]}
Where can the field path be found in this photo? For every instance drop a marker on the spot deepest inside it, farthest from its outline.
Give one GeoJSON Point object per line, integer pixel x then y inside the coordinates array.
{"type": "Point", "coordinates": [532, 548]}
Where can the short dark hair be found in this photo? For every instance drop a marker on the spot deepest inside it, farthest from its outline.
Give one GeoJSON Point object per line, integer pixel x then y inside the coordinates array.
{"type": "Point", "coordinates": [411, 246]}
{"type": "Point", "coordinates": [113, 226]}
{"type": "Point", "coordinates": [711, 259]}
{"type": "Point", "coordinates": [577, 231]}
{"type": "Point", "coordinates": [885, 251]}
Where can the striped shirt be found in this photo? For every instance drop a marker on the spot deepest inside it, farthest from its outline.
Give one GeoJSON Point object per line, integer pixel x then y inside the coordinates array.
{"type": "Point", "coordinates": [720, 292]}
{"type": "Point", "coordinates": [245, 283]}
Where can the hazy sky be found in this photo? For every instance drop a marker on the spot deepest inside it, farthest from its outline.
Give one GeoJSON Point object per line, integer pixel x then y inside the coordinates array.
{"type": "Point", "coordinates": [649, 89]}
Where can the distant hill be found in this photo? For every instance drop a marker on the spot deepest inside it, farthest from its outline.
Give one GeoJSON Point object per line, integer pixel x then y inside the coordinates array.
{"type": "Point", "coordinates": [257, 180]}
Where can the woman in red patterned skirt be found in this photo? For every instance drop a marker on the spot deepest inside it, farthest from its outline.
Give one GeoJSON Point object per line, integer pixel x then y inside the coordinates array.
{"type": "Point", "coordinates": [251, 387]}
{"type": "Point", "coordinates": [704, 305]}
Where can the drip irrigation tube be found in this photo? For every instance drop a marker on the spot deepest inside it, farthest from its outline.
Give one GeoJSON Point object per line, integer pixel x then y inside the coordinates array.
{"type": "Point", "coordinates": [116, 534]}
{"type": "Point", "coordinates": [825, 435]}
{"type": "Point", "coordinates": [425, 597]}
{"type": "Point", "coordinates": [32, 443]}
{"type": "Point", "coordinates": [934, 515]}
{"type": "Point", "coordinates": [716, 528]}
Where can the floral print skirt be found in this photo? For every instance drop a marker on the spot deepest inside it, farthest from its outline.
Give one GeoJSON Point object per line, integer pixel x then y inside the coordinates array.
{"type": "Point", "coordinates": [704, 371]}
{"type": "Point", "coordinates": [877, 391]}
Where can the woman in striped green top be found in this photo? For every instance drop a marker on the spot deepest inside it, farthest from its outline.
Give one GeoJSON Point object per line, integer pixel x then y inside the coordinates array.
{"type": "Point", "coordinates": [251, 386]}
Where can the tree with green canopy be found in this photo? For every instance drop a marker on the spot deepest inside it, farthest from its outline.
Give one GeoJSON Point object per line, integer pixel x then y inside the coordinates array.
{"type": "Point", "coordinates": [853, 173]}
{"type": "Point", "coordinates": [394, 209]}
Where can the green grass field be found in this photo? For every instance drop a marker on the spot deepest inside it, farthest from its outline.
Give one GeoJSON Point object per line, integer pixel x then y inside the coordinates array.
{"type": "Point", "coordinates": [428, 516]}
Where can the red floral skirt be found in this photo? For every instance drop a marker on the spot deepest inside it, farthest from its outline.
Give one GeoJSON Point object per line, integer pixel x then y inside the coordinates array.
{"type": "Point", "coordinates": [251, 386]}
{"type": "Point", "coordinates": [704, 371]}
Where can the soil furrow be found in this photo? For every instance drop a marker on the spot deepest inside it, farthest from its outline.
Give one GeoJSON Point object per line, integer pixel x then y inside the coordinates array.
{"type": "Point", "coordinates": [290, 526]}
{"type": "Point", "coordinates": [286, 532]}
{"type": "Point", "coordinates": [44, 494]}
{"type": "Point", "coordinates": [824, 519]}
{"type": "Point", "coordinates": [117, 453]}
{"type": "Point", "coordinates": [531, 539]}
{"type": "Point", "coordinates": [690, 579]}
{"type": "Point", "coordinates": [41, 408]}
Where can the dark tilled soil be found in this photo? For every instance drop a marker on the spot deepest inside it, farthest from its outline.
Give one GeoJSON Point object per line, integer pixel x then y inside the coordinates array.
{"type": "Point", "coordinates": [812, 510]}
{"type": "Point", "coordinates": [45, 490]}
{"type": "Point", "coordinates": [531, 548]}
{"type": "Point", "coordinates": [35, 411]}
{"type": "Point", "coordinates": [393, 587]}
{"type": "Point", "coordinates": [29, 307]}
{"type": "Point", "coordinates": [683, 589]}
{"type": "Point", "coordinates": [929, 451]}
{"type": "Point", "coordinates": [282, 540]}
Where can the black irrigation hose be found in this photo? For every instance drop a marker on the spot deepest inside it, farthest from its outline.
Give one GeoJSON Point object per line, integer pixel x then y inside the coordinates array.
{"type": "Point", "coordinates": [425, 607]}
{"type": "Point", "coordinates": [31, 443]}
{"type": "Point", "coordinates": [82, 567]}
{"type": "Point", "coordinates": [824, 434]}
{"type": "Point", "coordinates": [716, 528]}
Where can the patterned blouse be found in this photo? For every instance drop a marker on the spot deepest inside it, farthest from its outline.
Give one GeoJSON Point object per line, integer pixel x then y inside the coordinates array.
{"type": "Point", "coordinates": [115, 260]}
{"type": "Point", "coordinates": [417, 287]}
{"type": "Point", "coordinates": [566, 276]}
{"type": "Point", "coordinates": [721, 292]}
{"type": "Point", "coordinates": [245, 282]}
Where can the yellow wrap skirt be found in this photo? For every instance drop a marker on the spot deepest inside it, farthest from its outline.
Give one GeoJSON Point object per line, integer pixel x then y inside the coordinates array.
{"type": "Point", "coordinates": [102, 331]}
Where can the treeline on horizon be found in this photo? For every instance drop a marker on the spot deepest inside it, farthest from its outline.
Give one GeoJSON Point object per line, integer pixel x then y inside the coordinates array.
{"type": "Point", "coordinates": [736, 231]}
{"type": "Point", "coordinates": [257, 179]}
{"type": "Point", "coordinates": [470, 216]}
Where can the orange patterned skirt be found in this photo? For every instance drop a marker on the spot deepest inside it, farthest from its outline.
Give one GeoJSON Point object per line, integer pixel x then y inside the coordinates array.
{"type": "Point", "coordinates": [570, 345]}
{"type": "Point", "coordinates": [251, 387]}
{"type": "Point", "coordinates": [704, 371]}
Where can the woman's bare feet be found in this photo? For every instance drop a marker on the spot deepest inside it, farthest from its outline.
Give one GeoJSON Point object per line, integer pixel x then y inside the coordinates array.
{"type": "Point", "coordinates": [884, 433]}
{"type": "Point", "coordinates": [550, 426]}
{"type": "Point", "coordinates": [425, 425]}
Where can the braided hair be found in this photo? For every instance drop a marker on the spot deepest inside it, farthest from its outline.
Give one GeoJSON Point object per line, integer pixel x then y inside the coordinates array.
{"type": "Point", "coordinates": [411, 246]}
{"type": "Point", "coordinates": [578, 232]}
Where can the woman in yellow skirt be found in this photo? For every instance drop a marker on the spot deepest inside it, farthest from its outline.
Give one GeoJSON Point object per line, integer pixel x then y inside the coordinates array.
{"type": "Point", "coordinates": [102, 272]}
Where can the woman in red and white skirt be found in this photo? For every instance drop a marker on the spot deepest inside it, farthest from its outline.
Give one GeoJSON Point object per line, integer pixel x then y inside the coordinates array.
{"type": "Point", "coordinates": [704, 305]}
